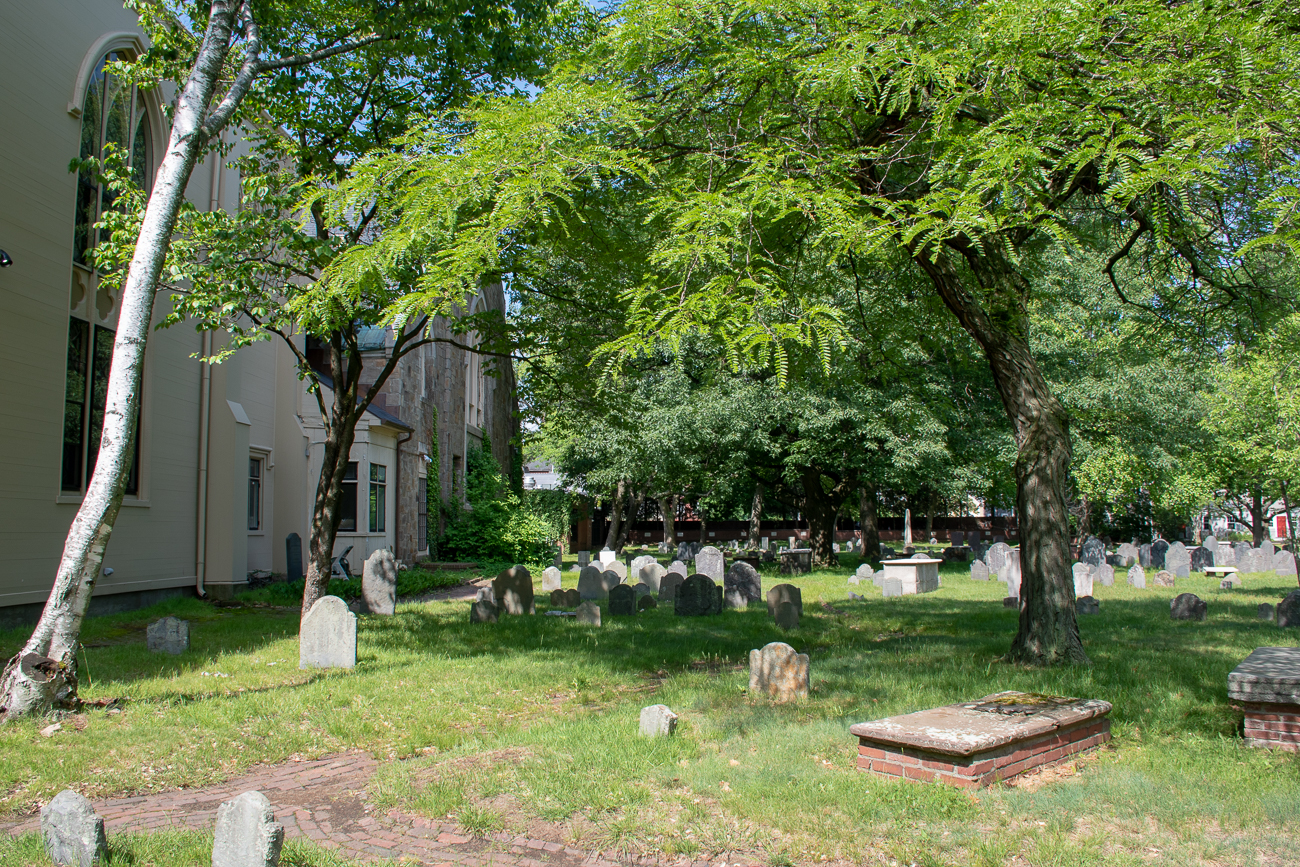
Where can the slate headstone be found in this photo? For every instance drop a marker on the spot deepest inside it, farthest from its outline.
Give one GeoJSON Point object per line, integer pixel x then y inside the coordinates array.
{"type": "Point", "coordinates": [514, 591]}
{"type": "Point", "coordinates": [784, 593]}
{"type": "Point", "coordinates": [1187, 606]}
{"type": "Point", "coordinates": [293, 557]}
{"type": "Point", "coordinates": [327, 636]}
{"type": "Point", "coordinates": [668, 588]}
{"type": "Point", "coordinates": [642, 589]}
{"type": "Point", "coordinates": [996, 558]}
{"type": "Point", "coordinates": [1092, 552]}
{"type": "Point", "coordinates": [72, 833]}
{"type": "Point", "coordinates": [1242, 551]}
{"type": "Point", "coordinates": [588, 613]}
{"type": "Point", "coordinates": [572, 598]}
{"type": "Point", "coordinates": [1144, 556]}
{"type": "Point", "coordinates": [622, 601]}
{"type": "Point", "coordinates": [745, 579]}
{"type": "Point", "coordinates": [978, 571]}
{"type": "Point", "coordinates": [1284, 563]}
{"type": "Point", "coordinates": [1178, 560]}
{"type": "Point", "coordinates": [1200, 559]}
{"type": "Point", "coordinates": [778, 673]}
{"type": "Point", "coordinates": [1128, 554]}
{"type": "Point", "coordinates": [787, 616]}
{"type": "Point", "coordinates": [379, 583]}
{"type": "Point", "coordinates": [1288, 610]}
{"type": "Point", "coordinates": [590, 584]}
{"type": "Point", "coordinates": [698, 596]}
{"type": "Point", "coordinates": [1087, 605]}
{"type": "Point", "coordinates": [482, 611]}
{"type": "Point", "coordinates": [551, 578]}
{"type": "Point", "coordinates": [247, 834]}
{"type": "Point", "coordinates": [1266, 612]}
{"type": "Point", "coordinates": [733, 600]}
{"type": "Point", "coordinates": [168, 635]}
{"type": "Point", "coordinates": [1230, 582]}
{"type": "Point", "coordinates": [956, 538]}
{"type": "Point", "coordinates": [657, 721]}
{"type": "Point", "coordinates": [1224, 555]}
{"type": "Point", "coordinates": [1159, 548]}
{"type": "Point", "coordinates": [584, 559]}
{"type": "Point", "coordinates": [557, 598]}
{"type": "Point", "coordinates": [646, 603]}
{"type": "Point", "coordinates": [710, 562]}
{"type": "Point", "coordinates": [1137, 577]}
{"type": "Point", "coordinates": [1105, 575]}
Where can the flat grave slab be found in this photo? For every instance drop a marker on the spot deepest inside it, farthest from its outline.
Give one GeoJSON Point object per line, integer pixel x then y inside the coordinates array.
{"type": "Point", "coordinates": [917, 575]}
{"type": "Point", "coordinates": [1267, 683]}
{"type": "Point", "coordinates": [1220, 571]}
{"type": "Point", "coordinates": [978, 743]}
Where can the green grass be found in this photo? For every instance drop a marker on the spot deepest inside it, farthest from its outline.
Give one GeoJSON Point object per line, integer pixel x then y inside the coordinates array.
{"type": "Point", "coordinates": [168, 848]}
{"type": "Point", "coordinates": [410, 582]}
{"type": "Point", "coordinates": [533, 720]}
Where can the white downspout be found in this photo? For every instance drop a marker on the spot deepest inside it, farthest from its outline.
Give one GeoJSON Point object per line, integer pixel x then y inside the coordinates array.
{"type": "Point", "coordinates": [205, 415]}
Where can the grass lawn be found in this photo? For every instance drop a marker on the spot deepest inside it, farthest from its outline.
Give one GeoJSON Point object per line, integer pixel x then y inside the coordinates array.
{"type": "Point", "coordinates": [531, 724]}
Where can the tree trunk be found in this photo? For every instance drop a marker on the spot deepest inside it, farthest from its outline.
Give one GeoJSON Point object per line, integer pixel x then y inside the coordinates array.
{"type": "Point", "coordinates": [755, 518]}
{"type": "Point", "coordinates": [929, 526]}
{"type": "Point", "coordinates": [325, 514]}
{"type": "Point", "coordinates": [615, 516]}
{"type": "Point", "coordinates": [629, 520]}
{"type": "Point", "coordinates": [869, 522]}
{"type": "Point", "coordinates": [821, 509]}
{"type": "Point", "coordinates": [1257, 515]}
{"type": "Point", "coordinates": [1290, 525]}
{"type": "Point", "coordinates": [668, 508]}
{"type": "Point", "coordinates": [1049, 630]}
{"type": "Point", "coordinates": [43, 674]}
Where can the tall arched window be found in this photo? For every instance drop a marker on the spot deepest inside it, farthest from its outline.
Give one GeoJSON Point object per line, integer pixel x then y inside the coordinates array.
{"type": "Point", "coordinates": [113, 111]}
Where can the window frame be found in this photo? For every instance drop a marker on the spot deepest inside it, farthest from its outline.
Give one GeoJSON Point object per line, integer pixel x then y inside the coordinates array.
{"type": "Point", "coordinates": [349, 483]}
{"type": "Point", "coordinates": [256, 486]}
{"type": "Point", "coordinates": [377, 502]}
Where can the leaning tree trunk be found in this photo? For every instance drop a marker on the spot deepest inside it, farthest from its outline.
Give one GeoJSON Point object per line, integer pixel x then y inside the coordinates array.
{"type": "Point", "coordinates": [325, 516]}
{"type": "Point", "coordinates": [668, 508]}
{"type": "Point", "coordinates": [629, 520]}
{"type": "Point", "coordinates": [821, 510]}
{"type": "Point", "coordinates": [1257, 515]}
{"type": "Point", "coordinates": [615, 516]}
{"type": "Point", "coordinates": [869, 521]}
{"type": "Point", "coordinates": [755, 517]}
{"type": "Point", "coordinates": [1049, 630]}
{"type": "Point", "coordinates": [43, 675]}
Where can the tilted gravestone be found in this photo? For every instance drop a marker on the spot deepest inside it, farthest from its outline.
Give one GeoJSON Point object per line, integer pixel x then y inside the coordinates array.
{"type": "Point", "coordinates": [379, 582]}
{"type": "Point", "coordinates": [1092, 552]}
{"type": "Point", "coordinates": [1178, 560]}
{"type": "Point", "coordinates": [590, 585]}
{"type": "Point", "coordinates": [1128, 554]}
{"type": "Point", "coordinates": [744, 578]}
{"type": "Point", "coordinates": [710, 562]}
{"type": "Point", "coordinates": [1137, 577]}
{"type": "Point", "coordinates": [1288, 610]}
{"type": "Point", "coordinates": [652, 575]}
{"type": "Point", "coordinates": [72, 833]}
{"type": "Point", "coordinates": [778, 673]}
{"type": "Point", "coordinates": [247, 834]}
{"type": "Point", "coordinates": [327, 637]}
{"type": "Point", "coordinates": [588, 613]}
{"type": "Point", "coordinates": [645, 603]}
{"type": "Point", "coordinates": [1284, 563]}
{"type": "Point", "coordinates": [1200, 559]}
{"type": "Point", "coordinates": [483, 611]}
{"type": "Point", "coordinates": [551, 578]}
{"type": "Point", "coordinates": [293, 557]}
{"type": "Point", "coordinates": [978, 571]}
{"type": "Point", "coordinates": [169, 635]}
{"type": "Point", "coordinates": [784, 593]}
{"type": "Point", "coordinates": [514, 591]}
{"type": "Point", "coordinates": [657, 721]}
{"type": "Point", "coordinates": [787, 616]}
{"type": "Point", "coordinates": [1159, 548]}
{"type": "Point", "coordinates": [697, 597]}
{"type": "Point", "coordinates": [618, 568]}
{"type": "Point", "coordinates": [1087, 605]}
{"type": "Point", "coordinates": [1163, 578]}
{"type": "Point", "coordinates": [669, 586]}
{"type": "Point", "coordinates": [1082, 573]}
{"type": "Point", "coordinates": [1187, 606]}
{"type": "Point", "coordinates": [622, 601]}
{"type": "Point", "coordinates": [1105, 575]}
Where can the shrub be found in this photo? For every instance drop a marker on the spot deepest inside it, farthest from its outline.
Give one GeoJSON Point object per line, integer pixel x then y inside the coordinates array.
{"type": "Point", "coordinates": [496, 525]}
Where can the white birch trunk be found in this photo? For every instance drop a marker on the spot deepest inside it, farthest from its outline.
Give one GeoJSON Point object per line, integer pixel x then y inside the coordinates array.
{"type": "Point", "coordinates": [43, 675]}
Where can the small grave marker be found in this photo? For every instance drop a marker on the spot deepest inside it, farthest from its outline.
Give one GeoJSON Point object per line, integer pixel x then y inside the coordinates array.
{"type": "Point", "coordinates": [73, 835]}
{"type": "Point", "coordinates": [327, 637]}
{"type": "Point", "coordinates": [247, 834]}
{"type": "Point", "coordinates": [169, 635]}
{"type": "Point", "coordinates": [778, 672]}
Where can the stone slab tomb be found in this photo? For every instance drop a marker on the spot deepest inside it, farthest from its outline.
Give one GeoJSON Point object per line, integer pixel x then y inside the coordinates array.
{"type": "Point", "coordinates": [917, 574]}
{"type": "Point", "coordinates": [169, 635]}
{"type": "Point", "coordinates": [982, 742]}
{"type": "Point", "coordinates": [327, 637]}
{"type": "Point", "coordinates": [73, 835]}
{"type": "Point", "coordinates": [1267, 686]}
{"type": "Point", "coordinates": [379, 583]}
{"type": "Point", "coordinates": [247, 834]}
{"type": "Point", "coordinates": [796, 561]}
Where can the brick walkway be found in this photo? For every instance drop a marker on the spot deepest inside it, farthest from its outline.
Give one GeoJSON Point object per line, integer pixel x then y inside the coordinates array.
{"type": "Point", "coordinates": [325, 801]}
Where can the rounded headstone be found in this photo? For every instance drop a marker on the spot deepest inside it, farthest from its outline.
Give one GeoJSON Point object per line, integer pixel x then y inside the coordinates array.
{"type": "Point", "coordinates": [514, 591]}
{"type": "Point", "coordinates": [1200, 559]}
{"type": "Point", "coordinates": [557, 598]}
{"type": "Point", "coordinates": [784, 593]}
{"type": "Point", "coordinates": [588, 613]}
{"type": "Point", "coordinates": [1288, 610]}
{"type": "Point", "coordinates": [590, 585]}
{"type": "Point", "coordinates": [379, 582]}
{"type": "Point", "coordinates": [1092, 552]}
{"type": "Point", "coordinates": [778, 673]}
{"type": "Point", "coordinates": [734, 599]}
{"type": "Point", "coordinates": [979, 571]}
{"type": "Point", "coordinates": [709, 561]}
{"type": "Point", "coordinates": [645, 603]}
{"type": "Point", "coordinates": [1187, 606]}
{"type": "Point", "coordinates": [745, 579]}
{"type": "Point", "coordinates": [618, 568]}
{"type": "Point", "coordinates": [572, 598]}
{"type": "Point", "coordinates": [327, 636]}
{"type": "Point", "coordinates": [657, 721]}
{"type": "Point", "coordinates": [1284, 563]}
{"type": "Point", "coordinates": [1159, 548]}
{"type": "Point", "coordinates": [247, 834]}
{"type": "Point", "coordinates": [1137, 577]}
{"type": "Point", "coordinates": [1266, 612]}
{"type": "Point", "coordinates": [622, 601]}
{"type": "Point", "coordinates": [1105, 575]}
{"type": "Point", "coordinates": [696, 597]}
{"type": "Point", "coordinates": [864, 571]}
{"type": "Point", "coordinates": [668, 587]}
{"type": "Point", "coordinates": [652, 575]}
{"type": "Point", "coordinates": [551, 577]}
{"type": "Point", "coordinates": [1163, 578]}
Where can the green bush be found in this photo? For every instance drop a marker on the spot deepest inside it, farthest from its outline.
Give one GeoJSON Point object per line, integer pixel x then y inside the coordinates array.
{"type": "Point", "coordinates": [497, 525]}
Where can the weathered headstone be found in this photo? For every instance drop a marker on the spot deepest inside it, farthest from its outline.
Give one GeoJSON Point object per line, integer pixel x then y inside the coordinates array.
{"type": "Point", "coordinates": [978, 571]}
{"type": "Point", "coordinates": [293, 557]}
{"type": "Point", "coordinates": [327, 637]}
{"type": "Point", "coordinates": [584, 559]}
{"type": "Point", "coordinates": [590, 584]}
{"type": "Point", "coordinates": [1288, 610]}
{"type": "Point", "coordinates": [996, 558]}
{"type": "Point", "coordinates": [1230, 582]}
{"type": "Point", "coordinates": [956, 538]}
{"type": "Point", "coordinates": [787, 616]}
{"type": "Point", "coordinates": [1105, 575]}
{"type": "Point", "coordinates": [1163, 578]}
{"type": "Point", "coordinates": [486, 594]}
{"type": "Point", "coordinates": [1137, 577]}
{"type": "Point", "coordinates": [668, 588]}
{"type": "Point", "coordinates": [652, 574]}
{"type": "Point", "coordinates": [379, 582]}
{"type": "Point", "coordinates": [1243, 553]}
{"type": "Point", "coordinates": [1010, 602]}
{"type": "Point", "coordinates": [645, 603]}
{"type": "Point", "coordinates": [1268, 548]}
{"type": "Point", "coordinates": [863, 573]}
{"type": "Point", "coordinates": [1178, 560]}
{"type": "Point", "coordinates": [744, 578]}
{"type": "Point", "coordinates": [619, 569]}
{"type": "Point", "coordinates": [1210, 543]}
{"type": "Point", "coordinates": [784, 593]}
{"type": "Point", "coordinates": [697, 597]}
{"type": "Point", "coordinates": [1144, 556]}
{"type": "Point", "coordinates": [588, 613]}
{"type": "Point", "coordinates": [72, 833]}
{"type": "Point", "coordinates": [1082, 573]}
{"type": "Point", "coordinates": [572, 598]}
{"type": "Point", "coordinates": [679, 567]}
{"type": "Point", "coordinates": [1159, 548]}
{"type": "Point", "coordinates": [639, 563]}
{"type": "Point", "coordinates": [1284, 563]}
{"type": "Point", "coordinates": [1187, 606]}
{"type": "Point", "coordinates": [557, 598]}
{"type": "Point", "coordinates": [733, 599]}
{"type": "Point", "coordinates": [1087, 605]}
{"type": "Point", "coordinates": [1092, 552]}
{"type": "Point", "coordinates": [1012, 573]}
{"type": "Point", "coordinates": [778, 673]}
{"type": "Point", "coordinates": [483, 611]}
{"type": "Point", "coordinates": [622, 601]}
{"type": "Point", "coordinates": [168, 635]}
{"type": "Point", "coordinates": [1224, 555]}
{"type": "Point", "coordinates": [247, 834]}
{"type": "Point", "coordinates": [514, 591]}
{"type": "Point", "coordinates": [551, 578]}
{"type": "Point", "coordinates": [1266, 612]}
{"type": "Point", "coordinates": [796, 561]}
{"type": "Point", "coordinates": [710, 562]}
{"type": "Point", "coordinates": [657, 721]}
{"type": "Point", "coordinates": [1200, 559]}
{"type": "Point", "coordinates": [642, 589]}
{"type": "Point", "coordinates": [1128, 554]}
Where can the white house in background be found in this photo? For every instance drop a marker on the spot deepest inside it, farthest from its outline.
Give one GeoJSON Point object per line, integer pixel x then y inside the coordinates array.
{"type": "Point", "coordinates": [540, 476]}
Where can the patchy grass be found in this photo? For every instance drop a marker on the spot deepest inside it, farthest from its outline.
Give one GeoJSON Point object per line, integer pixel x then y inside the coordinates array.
{"type": "Point", "coordinates": [531, 725]}
{"type": "Point", "coordinates": [167, 848]}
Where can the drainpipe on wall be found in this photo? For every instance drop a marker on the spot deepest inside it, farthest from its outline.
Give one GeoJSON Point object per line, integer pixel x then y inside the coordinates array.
{"type": "Point", "coordinates": [397, 485]}
{"type": "Point", "coordinates": [205, 412]}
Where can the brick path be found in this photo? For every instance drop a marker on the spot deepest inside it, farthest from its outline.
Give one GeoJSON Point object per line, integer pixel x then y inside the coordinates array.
{"type": "Point", "coordinates": [325, 801]}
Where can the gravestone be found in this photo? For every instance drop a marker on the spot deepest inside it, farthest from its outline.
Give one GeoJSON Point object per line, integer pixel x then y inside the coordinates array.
{"type": "Point", "coordinates": [1082, 574]}
{"type": "Point", "coordinates": [669, 586]}
{"type": "Point", "coordinates": [733, 599]}
{"type": "Point", "coordinates": [1243, 552]}
{"type": "Point", "coordinates": [622, 601]}
{"type": "Point", "coordinates": [778, 673]}
{"type": "Point", "coordinates": [645, 603]}
{"type": "Point", "coordinates": [379, 583]}
{"type": "Point", "coordinates": [1230, 582]}
{"type": "Point", "coordinates": [1284, 563]}
{"type": "Point", "coordinates": [891, 587]}
{"type": "Point", "coordinates": [606, 557]}
{"type": "Point", "coordinates": [1105, 575]}
{"type": "Point", "coordinates": [784, 593]}
{"type": "Point", "coordinates": [1288, 610]}
{"type": "Point", "coordinates": [1010, 602]}
{"type": "Point", "coordinates": [1137, 577]}
{"type": "Point", "coordinates": [293, 557]}
{"type": "Point", "coordinates": [639, 563]}
{"type": "Point", "coordinates": [584, 559]}
{"type": "Point", "coordinates": [642, 589]}
{"type": "Point", "coordinates": [1200, 559]}
{"type": "Point", "coordinates": [1159, 548]}
{"type": "Point", "coordinates": [1178, 560]}
{"type": "Point", "coordinates": [956, 538]}
{"type": "Point", "coordinates": [745, 579]}
{"type": "Point", "coordinates": [486, 593]}
{"type": "Point", "coordinates": [1224, 555]}
{"type": "Point", "coordinates": [558, 562]}
{"type": "Point", "coordinates": [796, 561]}
{"type": "Point", "coordinates": [1087, 605]}
{"type": "Point", "coordinates": [551, 578]}
{"type": "Point", "coordinates": [588, 613]}
{"type": "Point", "coordinates": [1144, 556]}
{"type": "Point", "coordinates": [1268, 548]}
{"type": "Point", "coordinates": [1265, 612]}
{"type": "Point", "coordinates": [907, 527]}
{"type": "Point", "coordinates": [1187, 606]}
{"type": "Point", "coordinates": [327, 637]}
{"type": "Point", "coordinates": [482, 611]}
{"type": "Point", "coordinates": [1163, 578]}
{"type": "Point", "coordinates": [996, 558]}
{"type": "Point", "coordinates": [863, 572]}
{"type": "Point", "coordinates": [1013, 573]}
{"type": "Point", "coordinates": [619, 569]}
{"type": "Point", "coordinates": [247, 834]}
{"type": "Point", "coordinates": [572, 598]}
{"type": "Point", "coordinates": [72, 833]}
{"type": "Point", "coordinates": [1210, 542]}
{"type": "Point", "coordinates": [1092, 552]}
{"type": "Point", "coordinates": [697, 597]}
{"type": "Point", "coordinates": [1128, 554]}
{"type": "Point", "coordinates": [787, 616]}
{"type": "Point", "coordinates": [590, 584]}
{"type": "Point", "coordinates": [657, 721]}
{"type": "Point", "coordinates": [763, 543]}
{"type": "Point", "coordinates": [978, 571]}
{"type": "Point", "coordinates": [679, 567]}
{"type": "Point", "coordinates": [558, 598]}
{"type": "Point", "coordinates": [652, 574]}
{"type": "Point", "coordinates": [514, 591]}
{"type": "Point", "coordinates": [169, 635]}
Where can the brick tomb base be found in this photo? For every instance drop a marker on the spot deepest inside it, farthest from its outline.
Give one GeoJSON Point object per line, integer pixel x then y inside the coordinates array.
{"type": "Point", "coordinates": [1267, 683]}
{"type": "Point", "coordinates": [1273, 725]}
{"type": "Point", "coordinates": [982, 742]}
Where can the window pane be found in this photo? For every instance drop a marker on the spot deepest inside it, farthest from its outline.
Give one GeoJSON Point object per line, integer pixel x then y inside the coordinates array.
{"type": "Point", "coordinates": [140, 145]}
{"type": "Point", "coordinates": [100, 361]}
{"type": "Point", "coordinates": [254, 494]}
{"type": "Point", "coordinates": [377, 507]}
{"type": "Point", "coordinates": [377, 472]}
{"type": "Point", "coordinates": [74, 405]}
{"type": "Point", "coordinates": [348, 504]}
{"type": "Point", "coordinates": [92, 118]}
